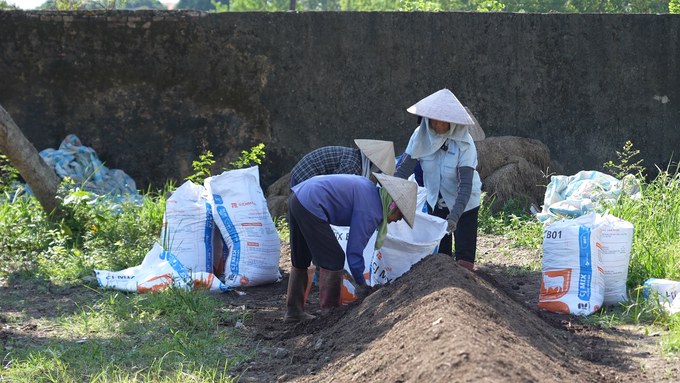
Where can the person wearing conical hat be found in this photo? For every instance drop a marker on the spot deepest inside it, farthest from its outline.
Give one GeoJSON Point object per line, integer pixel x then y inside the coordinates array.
{"type": "Point", "coordinates": [444, 146]}
{"type": "Point", "coordinates": [341, 200]}
{"type": "Point", "coordinates": [372, 156]}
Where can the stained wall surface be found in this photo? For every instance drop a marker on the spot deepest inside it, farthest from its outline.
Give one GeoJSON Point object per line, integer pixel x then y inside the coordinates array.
{"type": "Point", "coordinates": [152, 90]}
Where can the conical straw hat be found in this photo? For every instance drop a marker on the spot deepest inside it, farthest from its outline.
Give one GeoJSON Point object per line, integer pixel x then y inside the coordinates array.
{"type": "Point", "coordinates": [404, 194]}
{"type": "Point", "coordinates": [381, 153]}
{"type": "Point", "coordinates": [443, 106]}
{"type": "Point", "coordinates": [475, 130]}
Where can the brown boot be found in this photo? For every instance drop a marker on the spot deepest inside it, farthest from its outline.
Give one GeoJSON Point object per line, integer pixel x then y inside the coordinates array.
{"type": "Point", "coordinates": [297, 297]}
{"type": "Point", "coordinates": [468, 265]}
{"type": "Point", "coordinates": [330, 289]}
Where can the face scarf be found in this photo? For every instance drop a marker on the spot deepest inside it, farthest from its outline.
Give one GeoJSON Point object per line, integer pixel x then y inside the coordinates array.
{"type": "Point", "coordinates": [388, 207]}
{"type": "Point", "coordinates": [426, 142]}
{"type": "Point", "coordinates": [365, 166]}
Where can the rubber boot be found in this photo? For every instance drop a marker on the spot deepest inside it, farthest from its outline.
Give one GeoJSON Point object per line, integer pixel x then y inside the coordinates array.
{"type": "Point", "coordinates": [311, 270]}
{"type": "Point", "coordinates": [297, 297]}
{"type": "Point", "coordinates": [468, 265]}
{"type": "Point", "coordinates": [330, 289]}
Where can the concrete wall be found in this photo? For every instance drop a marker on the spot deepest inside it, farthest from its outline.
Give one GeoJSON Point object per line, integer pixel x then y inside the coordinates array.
{"type": "Point", "coordinates": [151, 90]}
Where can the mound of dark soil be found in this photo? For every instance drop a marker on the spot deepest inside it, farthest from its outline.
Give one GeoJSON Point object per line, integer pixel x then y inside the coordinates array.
{"type": "Point", "coordinates": [439, 323]}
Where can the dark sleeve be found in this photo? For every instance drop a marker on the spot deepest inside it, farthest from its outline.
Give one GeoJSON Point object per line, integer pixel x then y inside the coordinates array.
{"type": "Point", "coordinates": [465, 174]}
{"type": "Point", "coordinates": [405, 166]}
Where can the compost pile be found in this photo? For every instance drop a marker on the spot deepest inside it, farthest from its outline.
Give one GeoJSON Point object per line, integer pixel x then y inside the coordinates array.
{"type": "Point", "coordinates": [439, 323]}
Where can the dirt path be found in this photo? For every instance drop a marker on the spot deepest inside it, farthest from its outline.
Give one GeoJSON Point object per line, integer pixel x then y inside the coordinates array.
{"type": "Point", "coordinates": [442, 323]}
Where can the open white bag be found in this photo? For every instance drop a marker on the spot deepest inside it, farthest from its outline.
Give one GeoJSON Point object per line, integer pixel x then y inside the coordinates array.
{"type": "Point", "coordinates": [404, 246]}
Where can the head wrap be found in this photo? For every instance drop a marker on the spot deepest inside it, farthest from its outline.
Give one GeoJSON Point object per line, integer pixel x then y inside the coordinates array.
{"type": "Point", "coordinates": [426, 142]}
{"type": "Point", "coordinates": [388, 207]}
{"type": "Point", "coordinates": [365, 166]}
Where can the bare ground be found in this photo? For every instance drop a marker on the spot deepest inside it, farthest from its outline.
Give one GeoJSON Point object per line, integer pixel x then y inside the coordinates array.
{"type": "Point", "coordinates": [439, 322]}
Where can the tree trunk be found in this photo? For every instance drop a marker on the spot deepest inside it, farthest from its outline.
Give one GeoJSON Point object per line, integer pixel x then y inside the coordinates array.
{"type": "Point", "coordinates": [23, 156]}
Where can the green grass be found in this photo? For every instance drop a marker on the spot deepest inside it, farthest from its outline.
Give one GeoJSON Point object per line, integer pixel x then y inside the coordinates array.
{"type": "Point", "coordinates": [656, 217]}
{"type": "Point", "coordinates": [90, 233]}
{"type": "Point", "coordinates": [511, 222]}
{"type": "Point", "coordinates": [174, 335]}
{"type": "Point", "coordinates": [670, 343]}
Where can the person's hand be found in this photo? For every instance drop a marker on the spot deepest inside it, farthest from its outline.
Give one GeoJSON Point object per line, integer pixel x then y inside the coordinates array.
{"type": "Point", "coordinates": [362, 291]}
{"type": "Point", "coordinates": [451, 227]}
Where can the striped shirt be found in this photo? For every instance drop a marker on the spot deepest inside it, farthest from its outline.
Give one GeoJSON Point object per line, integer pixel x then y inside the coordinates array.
{"type": "Point", "coordinates": [327, 160]}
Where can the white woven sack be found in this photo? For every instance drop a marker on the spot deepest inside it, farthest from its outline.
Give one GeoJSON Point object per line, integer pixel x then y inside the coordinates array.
{"type": "Point", "coordinates": [188, 228]}
{"type": "Point", "coordinates": [240, 212]}
{"type": "Point", "coordinates": [573, 279]}
{"type": "Point", "coordinates": [617, 241]}
{"type": "Point", "coordinates": [405, 246]}
{"type": "Point", "coordinates": [342, 235]}
{"type": "Point", "coordinates": [159, 270]}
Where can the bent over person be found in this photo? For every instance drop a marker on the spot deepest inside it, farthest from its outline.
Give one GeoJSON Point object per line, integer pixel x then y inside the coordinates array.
{"type": "Point", "coordinates": [372, 156]}
{"type": "Point", "coordinates": [342, 200]}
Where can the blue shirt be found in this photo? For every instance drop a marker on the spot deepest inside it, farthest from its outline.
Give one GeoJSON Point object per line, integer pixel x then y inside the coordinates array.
{"type": "Point", "coordinates": [345, 200]}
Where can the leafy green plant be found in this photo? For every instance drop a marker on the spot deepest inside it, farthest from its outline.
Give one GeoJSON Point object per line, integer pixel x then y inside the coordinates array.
{"type": "Point", "coordinates": [201, 168]}
{"type": "Point", "coordinates": [110, 4]}
{"type": "Point", "coordinates": [7, 5]}
{"type": "Point", "coordinates": [625, 164]}
{"type": "Point", "coordinates": [674, 6]}
{"type": "Point", "coordinates": [418, 5]}
{"type": "Point", "coordinates": [491, 5]}
{"type": "Point", "coordinates": [255, 155]}
{"type": "Point", "coordinates": [219, 7]}
{"type": "Point", "coordinates": [282, 228]}
{"type": "Point", "coordinates": [8, 173]}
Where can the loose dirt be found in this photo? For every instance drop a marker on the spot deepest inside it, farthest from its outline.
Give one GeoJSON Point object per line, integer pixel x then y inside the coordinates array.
{"type": "Point", "coordinates": [438, 322]}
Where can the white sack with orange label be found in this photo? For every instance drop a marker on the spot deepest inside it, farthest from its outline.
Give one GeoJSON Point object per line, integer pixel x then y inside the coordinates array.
{"type": "Point", "coordinates": [159, 270]}
{"type": "Point", "coordinates": [573, 278]}
{"type": "Point", "coordinates": [240, 212]}
{"type": "Point", "coordinates": [188, 227]}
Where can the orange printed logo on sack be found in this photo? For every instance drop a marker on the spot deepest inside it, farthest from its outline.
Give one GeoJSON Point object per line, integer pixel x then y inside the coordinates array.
{"type": "Point", "coordinates": [243, 281]}
{"type": "Point", "coordinates": [555, 284]}
{"type": "Point", "coordinates": [554, 307]}
{"type": "Point", "coordinates": [149, 287]}
{"type": "Point", "coordinates": [204, 283]}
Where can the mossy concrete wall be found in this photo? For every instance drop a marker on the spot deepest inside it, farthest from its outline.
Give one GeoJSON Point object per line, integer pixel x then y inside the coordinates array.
{"type": "Point", "coordinates": [152, 90]}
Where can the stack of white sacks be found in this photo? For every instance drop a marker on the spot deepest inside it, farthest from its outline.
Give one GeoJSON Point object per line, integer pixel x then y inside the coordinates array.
{"type": "Point", "coordinates": [585, 264]}
{"type": "Point", "coordinates": [215, 236]}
